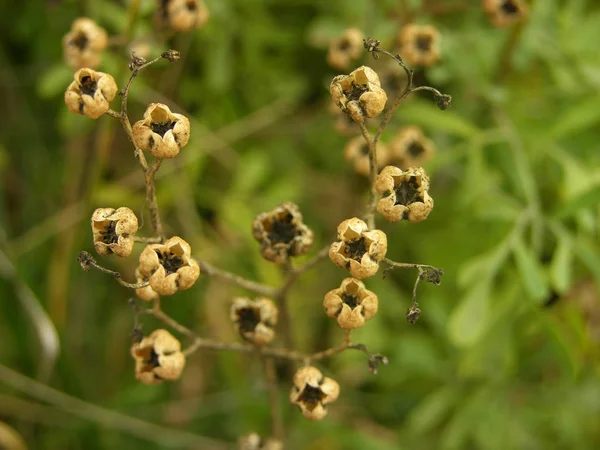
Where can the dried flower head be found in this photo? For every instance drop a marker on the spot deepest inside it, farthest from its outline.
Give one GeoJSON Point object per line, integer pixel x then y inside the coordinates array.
{"type": "Point", "coordinates": [403, 194]}
{"type": "Point", "coordinates": [158, 357]}
{"type": "Point", "coordinates": [345, 49]}
{"type": "Point", "coordinates": [359, 94]}
{"type": "Point", "coordinates": [357, 155]}
{"type": "Point", "coordinates": [10, 439]}
{"type": "Point", "coordinates": [503, 13]}
{"type": "Point", "coordinates": [255, 320]}
{"type": "Point", "coordinates": [113, 231]}
{"type": "Point", "coordinates": [91, 93]}
{"type": "Point", "coordinates": [253, 441]}
{"type": "Point", "coordinates": [183, 15]}
{"type": "Point", "coordinates": [358, 249]}
{"type": "Point", "coordinates": [170, 266]}
{"type": "Point", "coordinates": [419, 45]}
{"type": "Point", "coordinates": [312, 392]}
{"type": "Point", "coordinates": [83, 45]}
{"type": "Point", "coordinates": [409, 147]}
{"type": "Point", "coordinates": [161, 132]}
{"type": "Point", "coordinates": [146, 293]}
{"type": "Point", "coordinates": [351, 304]}
{"type": "Point", "coordinates": [281, 233]}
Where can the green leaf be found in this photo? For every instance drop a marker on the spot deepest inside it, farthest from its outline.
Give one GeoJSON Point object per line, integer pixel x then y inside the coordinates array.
{"type": "Point", "coordinates": [426, 114]}
{"type": "Point", "coordinates": [561, 265]}
{"type": "Point", "coordinates": [54, 81]}
{"type": "Point", "coordinates": [587, 199]}
{"type": "Point", "coordinates": [432, 410]}
{"type": "Point", "coordinates": [577, 118]}
{"type": "Point", "coordinates": [531, 272]}
{"type": "Point", "coordinates": [469, 320]}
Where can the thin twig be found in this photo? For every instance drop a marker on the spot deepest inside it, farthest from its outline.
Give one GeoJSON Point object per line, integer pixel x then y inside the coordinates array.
{"type": "Point", "coordinates": [147, 240]}
{"type": "Point", "coordinates": [87, 262]}
{"type": "Point", "coordinates": [258, 288]}
{"type": "Point", "coordinates": [271, 378]}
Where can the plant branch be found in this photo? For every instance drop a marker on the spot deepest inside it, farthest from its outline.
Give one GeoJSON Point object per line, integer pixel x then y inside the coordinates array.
{"type": "Point", "coordinates": [258, 288]}
{"type": "Point", "coordinates": [88, 262]}
{"type": "Point", "coordinates": [271, 378]}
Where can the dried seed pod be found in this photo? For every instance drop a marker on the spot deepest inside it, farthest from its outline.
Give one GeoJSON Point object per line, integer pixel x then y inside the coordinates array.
{"type": "Point", "coordinates": [146, 293]}
{"type": "Point", "coordinates": [91, 93]}
{"type": "Point", "coordinates": [253, 441]}
{"type": "Point", "coordinates": [182, 15]}
{"type": "Point", "coordinates": [358, 249]}
{"type": "Point", "coordinates": [113, 231]}
{"type": "Point", "coordinates": [312, 392]}
{"type": "Point", "coordinates": [357, 154]}
{"type": "Point", "coordinates": [504, 13]}
{"type": "Point", "coordinates": [419, 45]}
{"type": "Point", "coordinates": [169, 266]}
{"type": "Point", "coordinates": [351, 304]}
{"type": "Point", "coordinates": [345, 49]}
{"type": "Point", "coordinates": [158, 357]}
{"type": "Point", "coordinates": [359, 94]}
{"type": "Point", "coordinates": [255, 320]}
{"type": "Point", "coordinates": [83, 45]}
{"type": "Point", "coordinates": [409, 147]}
{"type": "Point", "coordinates": [281, 233]}
{"type": "Point", "coordinates": [403, 194]}
{"type": "Point", "coordinates": [161, 132]}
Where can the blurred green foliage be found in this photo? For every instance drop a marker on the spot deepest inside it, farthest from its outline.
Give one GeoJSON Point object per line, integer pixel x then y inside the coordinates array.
{"type": "Point", "coordinates": [506, 354]}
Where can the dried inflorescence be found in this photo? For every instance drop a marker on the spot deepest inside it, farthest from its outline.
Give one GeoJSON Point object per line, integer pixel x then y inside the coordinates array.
{"type": "Point", "coordinates": [358, 249]}
{"type": "Point", "coordinates": [403, 194]}
{"type": "Point", "coordinates": [161, 132]}
{"type": "Point", "coordinates": [158, 357]}
{"type": "Point", "coordinates": [357, 154]}
{"type": "Point", "coordinates": [281, 233]}
{"type": "Point", "coordinates": [409, 147]}
{"type": "Point", "coordinates": [169, 266]}
{"type": "Point", "coordinates": [113, 231]}
{"type": "Point", "coordinates": [351, 304]}
{"type": "Point", "coordinates": [146, 293]}
{"type": "Point", "coordinates": [419, 45]}
{"type": "Point", "coordinates": [312, 392]}
{"type": "Point", "coordinates": [345, 49]}
{"type": "Point", "coordinates": [359, 94]}
{"type": "Point", "coordinates": [255, 320]}
{"type": "Point", "coordinates": [183, 15]}
{"type": "Point", "coordinates": [83, 45]}
{"type": "Point", "coordinates": [91, 93]}
{"type": "Point", "coordinates": [253, 441]}
{"type": "Point", "coordinates": [503, 13]}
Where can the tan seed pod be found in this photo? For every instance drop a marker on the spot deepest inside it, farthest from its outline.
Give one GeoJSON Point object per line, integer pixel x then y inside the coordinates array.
{"type": "Point", "coordinates": [169, 266]}
{"type": "Point", "coordinates": [312, 392]}
{"type": "Point", "coordinates": [161, 132]}
{"type": "Point", "coordinates": [358, 249]}
{"type": "Point", "coordinates": [255, 320]}
{"type": "Point", "coordinates": [351, 304]}
{"type": "Point", "coordinates": [419, 45]}
{"type": "Point", "coordinates": [356, 153]}
{"type": "Point", "coordinates": [158, 357]}
{"type": "Point", "coordinates": [345, 49]}
{"type": "Point", "coordinates": [359, 94]}
{"type": "Point", "coordinates": [113, 231]}
{"type": "Point", "coordinates": [253, 441]}
{"type": "Point", "coordinates": [91, 93]}
{"type": "Point", "coordinates": [84, 43]}
{"type": "Point", "coordinates": [409, 147]}
{"type": "Point", "coordinates": [182, 15]}
{"type": "Point", "coordinates": [403, 194]}
{"type": "Point", "coordinates": [504, 13]}
{"type": "Point", "coordinates": [146, 293]}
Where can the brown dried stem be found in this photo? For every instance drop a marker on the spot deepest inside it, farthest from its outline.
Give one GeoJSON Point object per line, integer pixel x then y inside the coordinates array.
{"type": "Point", "coordinates": [88, 262]}
{"type": "Point", "coordinates": [258, 288]}
{"type": "Point", "coordinates": [277, 429]}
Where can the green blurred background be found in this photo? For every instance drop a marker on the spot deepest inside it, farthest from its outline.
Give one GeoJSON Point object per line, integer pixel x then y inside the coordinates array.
{"type": "Point", "coordinates": [506, 354]}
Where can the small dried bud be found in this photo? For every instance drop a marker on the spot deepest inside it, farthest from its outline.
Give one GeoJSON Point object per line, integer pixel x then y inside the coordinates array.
{"type": "Point", "coordinates": [413, 314]}
{"type": "Point", "coordinates": [359, 94]}
{"type": "Point", "coordinates": [158, 357]}
{"type": "Point", "coordinates": [419, 45]}
{"type": "Point", "coordinates": [443, 101]}
{"type": "Point", "coordinates": [113, 231]}
{"type": "Point", "coordinates": [161, 132]}
{"type": "Point", "coordinates": [372, 45]}
{"type": "Point", "coordinates": [169, 266]}
{"type": "Point", "coordinates": [83, 45]}
{"type": "Point", "coordinates": [351, 304]}
{"type": "Point", "coordinates": [171, 55]}
{"type": "Point", "coordinates": [135, 62]}
{"type": "Point", "coordinates": [91, 93]}
{"type": "Point", "coordinates": [312, 392]}
{"type": "Point", "coordinates": [255, 320]}
{"type": "Point", "coordinates": [358, 249]}
{"type": "Point", "coordinates": [86, 261]}
{"type": "Point", "coordinates": [433, 275]}
{"type": "Point", "coordinates": [403, 194]}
